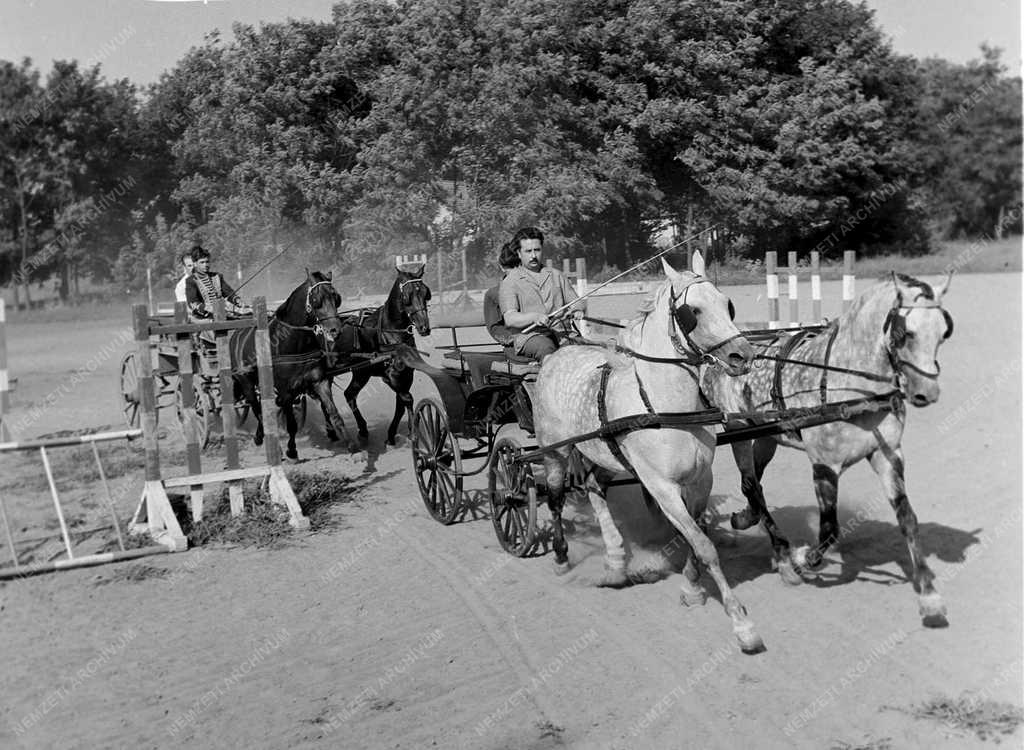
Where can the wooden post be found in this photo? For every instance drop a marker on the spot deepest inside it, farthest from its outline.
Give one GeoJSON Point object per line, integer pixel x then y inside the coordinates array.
{"type": "Point", "coordinates": [794, 291]}
{"type": "Point", "coordinates": [186, 385]}
{"type": "Point", "coordinates": [280, 490]}
{"type": "Point", "coordinates": [154, 513]}
{"type": "Point", "coordinates": [5, 383]}
{"type": "Point", "coordinates": [815, 286]}
{"type": "Point", "coordinates": [772, 282]}
{"type": "Point", "coordinates": [581, 276]}
{"type": "Point", "coordinates": [227, 407]}
{"type": "Point", "coordinates": [849, 280]}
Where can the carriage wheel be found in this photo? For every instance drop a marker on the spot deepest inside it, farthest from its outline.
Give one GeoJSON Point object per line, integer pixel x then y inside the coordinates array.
{"type": "Point", "coordinates": [437, 461]}
{"type": "Point", "coordinates": [512, 492]}
{"type": "Point", "coordinates": [129, 396]}
{"type": "Point", "coordinates": [204, 413]}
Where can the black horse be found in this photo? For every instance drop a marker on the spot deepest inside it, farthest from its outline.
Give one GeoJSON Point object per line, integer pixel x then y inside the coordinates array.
{"type": "Point", "coordinates": [301, 328]}
{"type": "Point", "coordinates": [373, 332]}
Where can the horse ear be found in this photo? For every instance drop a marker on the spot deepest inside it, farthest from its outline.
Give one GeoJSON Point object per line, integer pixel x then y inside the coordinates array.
{"type": "Point", "coordinates": [697, 263]}
{"type": "Point", "coordinates": [308, 275]}
{"type": "Point", "coordinates": [941, 290]}
{"type": "Point", "coordinates": [329, 275]}
{"type": "Point", "coordinates": [672, 273]}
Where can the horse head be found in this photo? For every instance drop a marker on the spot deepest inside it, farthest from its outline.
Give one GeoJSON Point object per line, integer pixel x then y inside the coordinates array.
{"type": "Point", "coordinates": [322, 301]}
{"type": "Point", "coordinates": [412, 294]}
{"type": "Point", "coordinates": [704, 316]}
{"type": "Point", "coordinates": [915, 327]}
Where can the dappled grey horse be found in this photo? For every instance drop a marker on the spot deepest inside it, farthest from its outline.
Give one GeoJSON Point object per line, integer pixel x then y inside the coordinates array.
{"type": "Point", "coordinates": [886, 343]}
{"type": "Point", "coordinates": [580, 388]}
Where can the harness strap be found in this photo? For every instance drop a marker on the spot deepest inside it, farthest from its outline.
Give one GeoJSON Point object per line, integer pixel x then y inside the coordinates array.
{"type": "Point", "coordinates": [823, 386]}
{"type": "Point", "coordinates": [602, 415]}
{"type": "Point", "coordinates": [778, 397]}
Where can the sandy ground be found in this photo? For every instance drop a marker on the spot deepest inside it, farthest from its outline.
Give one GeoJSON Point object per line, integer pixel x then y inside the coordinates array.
{"type": "Point", "coordinates": [393, 631]}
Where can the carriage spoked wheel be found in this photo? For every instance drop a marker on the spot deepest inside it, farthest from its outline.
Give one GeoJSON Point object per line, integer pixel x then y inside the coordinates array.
{"type": "Point", "coordinates": [512, 492]}
{"type": "Point", "coordinates": [437, 461]}
{"type": "Point", "coordinates": [204, 413]}
{"type": "Point", "coordinates": [130, 398]}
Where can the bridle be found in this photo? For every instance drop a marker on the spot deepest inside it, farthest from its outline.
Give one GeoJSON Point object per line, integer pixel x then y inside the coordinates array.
{"type": "Point", "coordinates": [896, 326]}
{"type": "Point", "coordinates": [422, 309]}
{"type": "Point", "coordinates": [318, 328]}
{"type": "Point", "coordinates": [683, 318]}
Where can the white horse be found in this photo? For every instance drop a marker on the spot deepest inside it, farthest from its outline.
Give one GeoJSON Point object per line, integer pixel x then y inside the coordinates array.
{"type": "Point", "coordinates": [580, 388]}
{"type": "Point", "coordinates": [887, 341]}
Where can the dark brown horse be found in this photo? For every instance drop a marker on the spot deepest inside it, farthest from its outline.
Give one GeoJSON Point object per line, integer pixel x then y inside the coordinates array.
{"type": "Point", "coordinates": [302, 327]}
{"type": "Point", "coordinates": [373, 332]}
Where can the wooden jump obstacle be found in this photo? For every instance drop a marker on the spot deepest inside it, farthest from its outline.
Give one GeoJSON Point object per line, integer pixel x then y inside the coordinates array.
{"type": "Point", "coordinates": [72, 560]}
{"type": "Point", "coordinates": [575, 270]}
{"type": "Point", "coordinates": [154, 514]}
{"type": "Point", "coordinates": [793, 292]}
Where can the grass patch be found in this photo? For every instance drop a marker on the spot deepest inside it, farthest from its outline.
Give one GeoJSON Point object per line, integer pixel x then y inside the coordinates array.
{"type": "Point", "coordinates": [132, 574]}
{"type": "Point", "coordinates": [263, 524]}
{"type": "Point", "coordinates": [987, 719]}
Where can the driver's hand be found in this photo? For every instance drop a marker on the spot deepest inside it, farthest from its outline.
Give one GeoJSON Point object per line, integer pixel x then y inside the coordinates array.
{"type": "Point", "coordinates": [577, 315]}
{"type": "Point", "coordinates": [540, 319]}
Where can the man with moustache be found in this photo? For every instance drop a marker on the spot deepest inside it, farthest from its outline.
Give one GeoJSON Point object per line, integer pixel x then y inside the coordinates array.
{"type": "Point", "coordinates": [530, 293]}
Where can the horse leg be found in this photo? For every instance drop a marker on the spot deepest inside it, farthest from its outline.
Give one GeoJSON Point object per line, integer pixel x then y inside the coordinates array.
{"type": "Point", "coordinates": [247, 389]}
{"type": "Point", "coordinates": [668, 496]}
{"type": "Point", "coordinates": [614, 552]}
{"type": "Point", "coordinates": [328, 427]}
{"type": "Point", "coordinates": [322, 389]}
{"type": "Point", "coordinates": [285, 404]}
{"type": "Point", "coordinates": [888, 465]}
{"type": "Point", "coordinates": [360, 378]}
{"type": "Point", "coordinates": [554, 469]}
{"type": "Point", "coordinates": [826, 487]}
{"type": "Point", "coordinates": [403, 402]}
{"type": "Point", "coordinates": [751, 458]}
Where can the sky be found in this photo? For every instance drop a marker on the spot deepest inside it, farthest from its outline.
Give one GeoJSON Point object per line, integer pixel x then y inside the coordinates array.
{"type": "Point", "coordinates": [139, 39]}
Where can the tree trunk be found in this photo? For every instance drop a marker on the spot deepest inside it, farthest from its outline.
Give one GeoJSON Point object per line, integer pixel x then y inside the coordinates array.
{"type": "Point", "coordinates": [65, 277]}
{"type": "Point", "coordinates": [1000, 223]}
{"type": "Point", "coordinates": [77, 293]}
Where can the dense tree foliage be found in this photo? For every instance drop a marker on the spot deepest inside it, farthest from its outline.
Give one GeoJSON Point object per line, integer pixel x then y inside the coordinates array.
{"type": "Point", "coordinates": [440, 125]}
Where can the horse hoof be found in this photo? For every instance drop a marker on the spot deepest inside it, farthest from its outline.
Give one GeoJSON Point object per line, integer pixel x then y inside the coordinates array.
{"type": "Point", "coordinates": [789, 575]}
{"type": "Point", "coordinates": [695, 598]}
{"type": "Point", "coordinates": [742, 520]}
{"type": "Point", "coordinates": [613, 578]}
{"type": "Point", "coordinates": [292, 454]}
{"type": "Point", "coordinates": [750, 641]}
{"type": "Point", "coordinates": [933, 611]}
{"type": "Point", "coordinates": [806, 558]}
{"type": "Point", "coordinates": [391, 441]}
{"type": "Point", "coordinates": [257, 440]}
{"type": "Point", "coordinates": [332, 436]}
{"type": "Point", "coordinates": [354, 448]}
{"type": "Point", "coordinates": [561, 568]}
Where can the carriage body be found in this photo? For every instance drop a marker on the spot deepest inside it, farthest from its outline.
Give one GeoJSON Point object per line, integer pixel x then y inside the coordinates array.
{"type": "Point", "coordinates": [167, 369]}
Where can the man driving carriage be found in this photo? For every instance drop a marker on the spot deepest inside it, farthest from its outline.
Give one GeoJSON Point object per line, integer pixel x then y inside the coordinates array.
{"type": "Point", "coordinates": [529, 294]}
{"type": "Point", "coordinates": [204, 287]}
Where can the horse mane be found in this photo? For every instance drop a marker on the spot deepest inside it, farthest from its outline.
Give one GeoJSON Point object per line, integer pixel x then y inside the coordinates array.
{"type": "Point", "coordinates": [314, 276]}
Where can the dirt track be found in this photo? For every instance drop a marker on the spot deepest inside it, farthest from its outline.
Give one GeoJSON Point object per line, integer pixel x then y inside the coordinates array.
{"type": "Point", "coordinates": [396, 632]}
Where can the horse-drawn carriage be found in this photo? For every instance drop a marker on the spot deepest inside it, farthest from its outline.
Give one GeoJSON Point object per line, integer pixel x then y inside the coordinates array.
{"type": "Point", "coordinates": [594, 406]}
{"type": "Point", "coordinates": [480, 391]}
{"type": "Point", "coordinates": [167, 369]}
